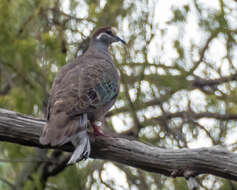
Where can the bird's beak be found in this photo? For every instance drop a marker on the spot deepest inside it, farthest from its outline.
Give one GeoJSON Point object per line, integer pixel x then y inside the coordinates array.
{"type": "Point", "coordinates": [120, 40]}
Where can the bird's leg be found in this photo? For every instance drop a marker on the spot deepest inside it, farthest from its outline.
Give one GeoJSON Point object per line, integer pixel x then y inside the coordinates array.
{"type": "Point", "coordinates": [97, 131]}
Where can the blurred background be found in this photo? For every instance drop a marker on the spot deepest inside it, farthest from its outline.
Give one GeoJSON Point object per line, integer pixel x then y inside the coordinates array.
{"type": "Point", "coordinates": [178, 84]}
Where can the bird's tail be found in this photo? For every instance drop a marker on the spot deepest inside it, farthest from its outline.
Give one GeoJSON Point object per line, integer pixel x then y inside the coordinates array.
{"type": "Point", "coordinates": [61, 129]}
{"type": "Point", "coordinates": [83, 148]}
{"type": "Point", "coordinates": [81, 141]}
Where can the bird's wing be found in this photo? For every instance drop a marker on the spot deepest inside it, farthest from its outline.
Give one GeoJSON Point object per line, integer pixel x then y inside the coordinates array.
{"type": "Point", "coordinates": [56, 85]}
{"type": "Point", "coordinates": [85, 87]}
{"type": "Point", "coordinates": [78, 89]}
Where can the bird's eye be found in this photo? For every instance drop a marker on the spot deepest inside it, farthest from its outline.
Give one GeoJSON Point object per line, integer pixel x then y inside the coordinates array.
{"type": "Point", "coordinates": [109, 32]}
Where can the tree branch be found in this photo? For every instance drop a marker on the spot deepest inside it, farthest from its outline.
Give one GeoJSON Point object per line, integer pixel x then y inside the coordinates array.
{"type": "Point", "coordinates": [25, 130]}
{"type": "Point", "coordinates": [200, 82]}
{"type": "Point", "coordinates": [191, 115]}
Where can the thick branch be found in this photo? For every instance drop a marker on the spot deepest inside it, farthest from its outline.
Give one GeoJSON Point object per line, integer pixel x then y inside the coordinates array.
{"type": "Point", "coordinates": [25, 130]}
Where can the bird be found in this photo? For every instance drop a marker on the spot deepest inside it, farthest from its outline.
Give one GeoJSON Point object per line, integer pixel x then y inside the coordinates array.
{"type": "Point", "coordinates": [82, 93]}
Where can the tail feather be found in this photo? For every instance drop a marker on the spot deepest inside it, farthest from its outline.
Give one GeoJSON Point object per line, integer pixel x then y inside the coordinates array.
{"type": "Point", "coordinates": [84, 120]}
{"type": "Point", "coordinates": [83, 147]}
{"type": "Point", "coordinates": [81, 141]}
{"type": "Point", "coordinates": [62, 129]}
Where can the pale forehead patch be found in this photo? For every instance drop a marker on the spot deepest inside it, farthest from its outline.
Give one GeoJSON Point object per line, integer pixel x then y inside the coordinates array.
{"type": "Point", "coordinates": [113, 30]}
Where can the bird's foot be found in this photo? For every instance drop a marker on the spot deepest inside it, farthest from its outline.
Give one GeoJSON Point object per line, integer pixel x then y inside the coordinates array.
{"type": "Point", "coordinates": [97, 130]}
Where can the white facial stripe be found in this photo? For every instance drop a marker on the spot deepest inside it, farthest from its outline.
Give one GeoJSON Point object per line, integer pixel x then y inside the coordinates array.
{"type": "Point", "coordinates": [103, 33]}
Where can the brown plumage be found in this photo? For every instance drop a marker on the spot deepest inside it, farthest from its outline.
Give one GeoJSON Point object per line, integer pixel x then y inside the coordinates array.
{"type": "Point", "coordinates": [82, 93]}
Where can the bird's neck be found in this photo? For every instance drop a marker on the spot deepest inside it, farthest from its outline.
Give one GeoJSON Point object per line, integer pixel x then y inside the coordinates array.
{"type": "Point", "coordinates": [100, 46]}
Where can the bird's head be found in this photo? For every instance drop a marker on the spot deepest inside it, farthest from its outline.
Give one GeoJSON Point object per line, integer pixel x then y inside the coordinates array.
{"type": "Point", "coordinates": [106, 36]}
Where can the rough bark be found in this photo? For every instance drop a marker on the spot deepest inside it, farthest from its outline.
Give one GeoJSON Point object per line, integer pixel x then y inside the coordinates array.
{"type": "Point", "coordinates": [25, 130]}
